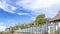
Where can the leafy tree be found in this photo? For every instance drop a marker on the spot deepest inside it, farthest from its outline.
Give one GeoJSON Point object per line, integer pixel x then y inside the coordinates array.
{"type": "Point", "coordinates": [30, 25]}
{"type": "Point", "coordinates": [40, 20]}
{"type": "Point", "coordinates": [4, 32]}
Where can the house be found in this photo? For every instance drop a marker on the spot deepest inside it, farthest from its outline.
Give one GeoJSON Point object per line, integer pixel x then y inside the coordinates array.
{"type": "Point", "coordinates": [55, 21]}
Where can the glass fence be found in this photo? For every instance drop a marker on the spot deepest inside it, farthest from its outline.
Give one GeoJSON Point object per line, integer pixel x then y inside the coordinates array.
{"type": "Point", "coordinates": [52, 29]}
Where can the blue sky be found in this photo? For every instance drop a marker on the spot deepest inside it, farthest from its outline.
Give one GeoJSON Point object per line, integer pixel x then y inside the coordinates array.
{"type": "Point", "coordinates": [24, 11]}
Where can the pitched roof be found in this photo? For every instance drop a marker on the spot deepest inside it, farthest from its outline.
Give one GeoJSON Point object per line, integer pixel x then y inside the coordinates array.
{"type": "Point", "coordinates": [57, 17]}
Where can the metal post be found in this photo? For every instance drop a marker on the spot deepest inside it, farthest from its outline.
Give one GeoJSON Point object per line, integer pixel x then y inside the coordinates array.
{"type": "Point", "coordinates": [32, 30]}
{"type": "Point", "coordinates": [54, 28]}
{"type": "Point", "coordinates": [57, 27]}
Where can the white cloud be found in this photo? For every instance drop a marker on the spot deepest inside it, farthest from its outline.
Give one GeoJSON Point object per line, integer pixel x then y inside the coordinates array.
{"type": "Point", "coordinates": [48, 6]}
{"type": "Point", "coordinates": [7, 7]}
{"type": "Point", "coordinates": [22, 13]}
{"type": "Point", "coordinates": [2, 28]}
{"type": "Point", "coordinates": [37, 4]}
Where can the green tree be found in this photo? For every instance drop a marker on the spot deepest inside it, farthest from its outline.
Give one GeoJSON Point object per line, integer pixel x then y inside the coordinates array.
{"type": "Point", "coordinates": [40, 20]}
{"type": "Point", "coordinates": [4, 32]}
